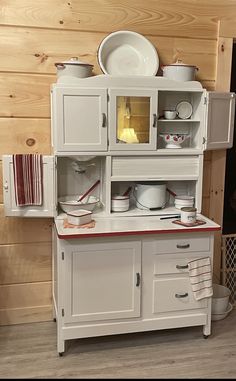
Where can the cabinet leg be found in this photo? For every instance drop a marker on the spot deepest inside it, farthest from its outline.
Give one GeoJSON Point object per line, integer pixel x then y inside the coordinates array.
{"type": "Point", "coordinates": [207, 330]}
{"type": "Point", "coordinates": [60, 346]}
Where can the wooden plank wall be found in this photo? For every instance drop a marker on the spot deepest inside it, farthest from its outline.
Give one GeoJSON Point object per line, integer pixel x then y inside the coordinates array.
{"type": "Point", "coordinates": [33, 36]}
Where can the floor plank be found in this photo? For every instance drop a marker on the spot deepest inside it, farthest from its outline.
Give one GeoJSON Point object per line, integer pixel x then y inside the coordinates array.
{"type": "Point", "coordinates": [29, 351]}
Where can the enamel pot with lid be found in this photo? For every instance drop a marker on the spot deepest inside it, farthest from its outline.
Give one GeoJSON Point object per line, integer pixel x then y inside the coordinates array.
{"type": "Point", "coordinates": [179, 71]}
{"type": "Point", "coordinates": [73, 68]}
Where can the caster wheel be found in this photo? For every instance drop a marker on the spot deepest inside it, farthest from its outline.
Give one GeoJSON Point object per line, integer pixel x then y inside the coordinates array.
{"type": "Point", "coordinates": [60, 354]}
{"type": "Point", "coordinates": [54, 319]}
{"type": "Point", "coordinates": [206, 336]}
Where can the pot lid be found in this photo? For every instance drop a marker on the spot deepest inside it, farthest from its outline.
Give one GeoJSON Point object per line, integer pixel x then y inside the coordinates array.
{"type": "Point", "coordinates": [180, 63]}
{"type": "Point", "coordinates": [73, 61]}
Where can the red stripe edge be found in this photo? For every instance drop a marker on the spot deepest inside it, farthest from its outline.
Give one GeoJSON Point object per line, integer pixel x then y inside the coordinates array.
{"type": "Point", "coordinates": [122, 233]}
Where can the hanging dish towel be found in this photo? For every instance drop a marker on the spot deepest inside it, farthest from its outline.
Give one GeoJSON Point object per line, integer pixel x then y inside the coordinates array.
{"type": "Point", "coordinates": [28, 179]}
{"type": "Point", "coordinates": [201, 277]}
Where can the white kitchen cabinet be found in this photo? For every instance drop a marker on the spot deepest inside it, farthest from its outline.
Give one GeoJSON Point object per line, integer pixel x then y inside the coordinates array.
{"type": "Point", "coordinates": [116, 115]}
{"type": "Point", "coordinates": [102, 280]}
{"type": "Point", "coordinates": [113, 285]}
{"type": "Point", "coordinates": [79, 119]}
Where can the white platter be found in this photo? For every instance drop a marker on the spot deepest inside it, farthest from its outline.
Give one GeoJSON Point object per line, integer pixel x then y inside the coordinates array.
{"type": "Point", "coordinates": [125, 53]}
{"type": "Point", "coordinates": [184, 109]}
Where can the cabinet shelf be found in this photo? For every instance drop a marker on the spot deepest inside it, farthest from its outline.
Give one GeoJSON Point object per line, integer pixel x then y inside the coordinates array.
{"type": "Point", "coordinates": [179, 120]}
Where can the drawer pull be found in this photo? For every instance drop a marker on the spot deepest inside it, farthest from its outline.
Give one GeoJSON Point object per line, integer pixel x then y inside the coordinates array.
{"type": "Point", "coordinates": [154, 120]}
{"type": "Point", "coordinates": [180, 267]}
{"type": "Point", "coordinates": [138, 278]}
{"type": "Point", "coordinates": [183, 246]}
{"type": "Point", "coordinates": [178, 296]}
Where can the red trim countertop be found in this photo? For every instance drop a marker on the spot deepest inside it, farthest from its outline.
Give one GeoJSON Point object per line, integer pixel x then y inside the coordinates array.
{"type": "Point", "coordinates": [124, 226]}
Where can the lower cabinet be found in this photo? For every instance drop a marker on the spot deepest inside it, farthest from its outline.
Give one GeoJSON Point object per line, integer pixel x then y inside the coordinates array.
{"type": "Point", "coordinates": [115, 285]}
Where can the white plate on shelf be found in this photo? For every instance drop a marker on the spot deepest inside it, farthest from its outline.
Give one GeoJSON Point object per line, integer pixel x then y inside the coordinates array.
{"type": "Point", "coordinates": [125, 52]}
{"type": "Point", "coordinates": [184, 109]}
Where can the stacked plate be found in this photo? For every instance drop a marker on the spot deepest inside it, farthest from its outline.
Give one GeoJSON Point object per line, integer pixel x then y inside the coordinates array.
{"type": "Point", "coordinates": [125, 53]}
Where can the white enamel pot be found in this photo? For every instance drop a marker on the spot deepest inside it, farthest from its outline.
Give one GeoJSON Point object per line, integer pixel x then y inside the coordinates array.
{"type": "Point", "coordinates": [179, 71]}
{"type": "Point", "coordinates": [150, 195]}
{"type": "Point", "coordinates": [73, 68]}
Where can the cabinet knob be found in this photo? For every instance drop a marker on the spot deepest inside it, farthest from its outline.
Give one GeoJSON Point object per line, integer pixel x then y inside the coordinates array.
{"type": "Point", "coordinates": [179, 296]}
{"type": "Point", "coordinates": [180, 267]}
{"type": "Point", "coordinates": [5, 186]}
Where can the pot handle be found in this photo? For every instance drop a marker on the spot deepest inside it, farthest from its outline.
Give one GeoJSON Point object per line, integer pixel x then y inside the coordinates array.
{"type": "Point", "coordinates": [60, 66]}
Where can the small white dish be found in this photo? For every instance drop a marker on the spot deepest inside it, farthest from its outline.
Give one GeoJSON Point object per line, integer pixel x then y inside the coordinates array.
{"type": "Point", "coordinates": [125, 53]}
{"type": "Point", "coordinates": [222, 315]}
{"type": "Point", "coordinates": [79, 217]}
{"type": "Point", "coordinates": [184, 110]}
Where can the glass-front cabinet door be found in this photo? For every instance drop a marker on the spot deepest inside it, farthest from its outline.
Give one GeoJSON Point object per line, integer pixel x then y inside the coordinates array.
{"type": "Point", "coordinates": [132, 119]}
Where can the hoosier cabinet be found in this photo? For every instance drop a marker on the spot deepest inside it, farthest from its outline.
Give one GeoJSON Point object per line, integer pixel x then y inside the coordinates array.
{"type": "Point", "coordinates": [129, 271]}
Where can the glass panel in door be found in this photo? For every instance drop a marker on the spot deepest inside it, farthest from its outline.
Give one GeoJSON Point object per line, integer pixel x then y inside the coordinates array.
{"type": "Point", "coordinates": [133, 120]}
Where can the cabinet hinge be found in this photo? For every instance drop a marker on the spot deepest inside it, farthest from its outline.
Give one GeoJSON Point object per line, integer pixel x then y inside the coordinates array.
{"type": "Point", "coordinates": [62, 255]}
{"type": "Point", "coordinates": [203, 140]}
{"type": "Point", "coordinates": [108, 98]}
{"type": "Point", "coordinates": [205, 100]}
{"type": "Point", "coordinates": [62, 312]}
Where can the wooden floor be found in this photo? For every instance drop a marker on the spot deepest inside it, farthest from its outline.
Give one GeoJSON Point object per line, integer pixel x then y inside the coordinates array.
{"type": "Point", "coordinates": [29, 351]}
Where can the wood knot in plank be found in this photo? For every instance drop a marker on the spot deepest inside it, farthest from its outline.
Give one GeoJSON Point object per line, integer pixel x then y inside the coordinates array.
{"type": "Point", "coordinates": [222, 47]}
{"type": "Point", "coordinates": [30, 142]}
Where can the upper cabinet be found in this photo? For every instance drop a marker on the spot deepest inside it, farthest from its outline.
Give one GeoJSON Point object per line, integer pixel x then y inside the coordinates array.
{"type": "Point", "coordinates": [147, 114]}
{"type": "Point", "coordinates": [79, 119]}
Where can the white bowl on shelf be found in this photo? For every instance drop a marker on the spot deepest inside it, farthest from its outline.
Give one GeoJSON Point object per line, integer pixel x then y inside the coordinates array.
{"type": "Point", "coordinates": [174, 140]}
{"type": "Point", "coordinates": [71, 203]}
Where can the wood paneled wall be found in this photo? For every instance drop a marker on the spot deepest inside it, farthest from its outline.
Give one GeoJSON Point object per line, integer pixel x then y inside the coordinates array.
{"type": "Point", "coordinates": [33, 36]}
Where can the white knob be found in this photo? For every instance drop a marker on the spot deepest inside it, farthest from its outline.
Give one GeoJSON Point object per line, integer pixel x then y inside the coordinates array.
{"type": "Point", "coordinates": [5, 186]}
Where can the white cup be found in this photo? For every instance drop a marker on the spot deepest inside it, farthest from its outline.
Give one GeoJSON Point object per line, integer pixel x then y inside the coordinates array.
{"type": "Point", "coordinates": [170, 114]}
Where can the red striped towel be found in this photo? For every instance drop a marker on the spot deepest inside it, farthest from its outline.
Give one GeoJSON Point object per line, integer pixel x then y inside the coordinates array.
{"type": "Point", "coordinates": [201, 277]}
{"type": "Point", "coordinates": [28, 179]}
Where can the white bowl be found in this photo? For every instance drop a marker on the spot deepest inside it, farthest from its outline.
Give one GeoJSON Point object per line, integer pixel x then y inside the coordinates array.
{"type": "Point", "coordinates": [79, 217]}
{"type": "Point", "coordinates": [220, 298]}
{"type": "Point", "coordinates": [220, 316]}
{"type": "Point", "coordinates": [125, 52]}
{"type": "Point", "coordinates": [174, 140]}
{"type": "Point", "coordinates": [71, 203]}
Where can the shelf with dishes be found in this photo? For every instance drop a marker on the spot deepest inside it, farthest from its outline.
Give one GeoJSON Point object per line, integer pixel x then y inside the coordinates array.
{"type": "Point", "coordinates": [141, 198]}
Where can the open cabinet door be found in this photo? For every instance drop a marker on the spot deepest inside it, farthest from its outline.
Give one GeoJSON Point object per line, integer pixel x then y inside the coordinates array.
{"type": "Point", "coordinates": [219, 120]}
{"type": "Point", "coordinates": [48, 207]}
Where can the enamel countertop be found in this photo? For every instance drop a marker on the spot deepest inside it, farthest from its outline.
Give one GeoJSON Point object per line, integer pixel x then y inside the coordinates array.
{"type": "Point", "coordinates": [118, 226]}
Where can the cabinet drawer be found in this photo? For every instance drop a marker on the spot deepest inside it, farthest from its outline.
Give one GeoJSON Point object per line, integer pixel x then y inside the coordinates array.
{"type": "Point", "coordinates": [181, 245]}
{"type": "Point", "coordinates": [172, 264]}
{"type": "Point", "coordinates": [155, 167]}
{"type": "Point", "coordinates": [174, 295]}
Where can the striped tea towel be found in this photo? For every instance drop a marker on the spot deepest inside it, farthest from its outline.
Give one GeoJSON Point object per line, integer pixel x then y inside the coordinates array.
{"type": "Point", "coordinates": [28, 179]}
{"type": "Point", "coordinates": [201, 277]}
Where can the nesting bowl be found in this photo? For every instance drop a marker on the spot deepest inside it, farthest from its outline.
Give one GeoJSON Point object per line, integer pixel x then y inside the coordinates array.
{"type": "Point", "coordinates": [71, 203]}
